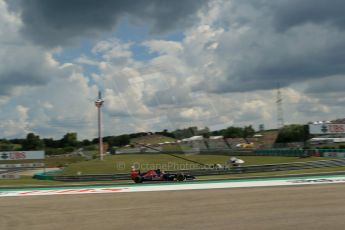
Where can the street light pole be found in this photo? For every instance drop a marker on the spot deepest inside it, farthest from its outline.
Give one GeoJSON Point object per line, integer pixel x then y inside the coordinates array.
{"type": "Point", "coordinates": [99, 102]}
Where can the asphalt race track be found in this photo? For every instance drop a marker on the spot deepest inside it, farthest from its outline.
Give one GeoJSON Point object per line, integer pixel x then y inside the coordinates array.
{"type": "Point", "coordinates": [287, 207]}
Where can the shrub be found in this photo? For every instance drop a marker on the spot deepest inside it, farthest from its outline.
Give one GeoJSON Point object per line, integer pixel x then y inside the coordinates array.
{"type": "Point", "coordinates": [341, 146]}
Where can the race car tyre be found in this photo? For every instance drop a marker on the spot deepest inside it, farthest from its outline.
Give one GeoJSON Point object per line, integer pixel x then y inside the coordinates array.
{"type": "Point", "coordinates": [138, 179]}
{"type": "Point", "coordinates": [180, 177]}
{"type": "Point", "coordinates": [165, 177]}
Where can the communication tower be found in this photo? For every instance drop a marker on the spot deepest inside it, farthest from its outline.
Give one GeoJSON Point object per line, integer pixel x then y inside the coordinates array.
{"type": "Point", "coordinates": [280, 112]}
{"type": "Point", "coordinates": [99, 102]}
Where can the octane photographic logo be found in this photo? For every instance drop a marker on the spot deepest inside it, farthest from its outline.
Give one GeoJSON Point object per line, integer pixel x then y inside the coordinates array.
{"type": "Point", "coordinates": [120, 165]}
{"type": "Point", "coordinates": [170, 166]}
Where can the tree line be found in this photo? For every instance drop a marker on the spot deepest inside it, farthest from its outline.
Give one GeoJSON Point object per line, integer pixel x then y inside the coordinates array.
{"type": "Point", "coordinates": [70, 142]}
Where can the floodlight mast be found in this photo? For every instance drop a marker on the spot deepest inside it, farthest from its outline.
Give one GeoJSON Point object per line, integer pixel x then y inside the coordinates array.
{"type": "Point", "coordinates": [99, 102]}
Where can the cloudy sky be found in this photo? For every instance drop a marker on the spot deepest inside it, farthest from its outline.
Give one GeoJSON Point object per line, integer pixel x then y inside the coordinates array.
{"type": "Point", "coordinates": [168, 64]}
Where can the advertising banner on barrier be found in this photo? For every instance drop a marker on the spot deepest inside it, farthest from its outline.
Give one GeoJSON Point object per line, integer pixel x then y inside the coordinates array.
{"type": "Point", "coordinates": [21, 155]}
{"type": "Point", "coordinates": [326, 128]}
{"type": "Point", "coordinates": [9, 176]}
{"type": "Point", "coordinates": [25, 165]}
{"type": "Point", "coordinates": [334, 154]}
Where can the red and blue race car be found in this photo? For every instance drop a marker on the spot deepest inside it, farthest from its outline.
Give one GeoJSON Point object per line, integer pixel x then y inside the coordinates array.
{"type": "Point", "coordinates": [157, 175]}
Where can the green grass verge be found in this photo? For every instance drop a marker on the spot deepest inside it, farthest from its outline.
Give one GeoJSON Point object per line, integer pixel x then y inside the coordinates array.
{"type": "Point", "coordinates": [123, 163]}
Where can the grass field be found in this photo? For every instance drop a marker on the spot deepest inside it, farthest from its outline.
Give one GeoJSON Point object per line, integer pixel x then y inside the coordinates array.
{"type": "Point", "coordinates": [123, 163]}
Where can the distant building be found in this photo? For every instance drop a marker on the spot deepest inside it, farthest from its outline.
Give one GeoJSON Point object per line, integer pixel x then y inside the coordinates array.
{"type": "Point", "coordinates": [327, 132]}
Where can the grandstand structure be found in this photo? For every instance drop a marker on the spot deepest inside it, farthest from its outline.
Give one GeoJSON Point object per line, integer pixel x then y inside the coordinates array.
{"type": "Point", "coordinates": [339, 121]}
{"type": "Point", "coordinates": [327, 132]}
{"type": "Point", "coordinates": [159, 143]}
{"type": "Point", "coordinates": [265, 139]}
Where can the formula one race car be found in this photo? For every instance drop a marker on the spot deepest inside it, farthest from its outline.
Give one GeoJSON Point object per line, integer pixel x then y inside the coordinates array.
{"type": "Point", "coordinates": [157, 175]}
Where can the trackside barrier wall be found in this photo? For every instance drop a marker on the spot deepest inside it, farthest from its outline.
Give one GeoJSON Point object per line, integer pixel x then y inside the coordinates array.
{"type": "Point", "coordinates": [260, 152]}
{"type": "Point", "coordinates": [298, 152]}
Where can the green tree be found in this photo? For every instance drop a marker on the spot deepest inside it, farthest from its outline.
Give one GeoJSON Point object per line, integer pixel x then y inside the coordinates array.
{"type": "Point", "coordinates": [292, 133]}
{"type": "Point", "coordinates": [51, 143]}
{"type": "Point", "coordinates": [32, 142]}
{"type": "Point", "coordinates": [117, 140]}
{"type": "Point", "coordinates": [233, 132]}
{"type": "Point", "coordinates": [86, 142]}
{"type": "Point", "coordinates": [248, 131]}
{"type": "Point", "coordinates": [185, 133]}
{"type": "Point", "coordinates": [69, 139]}
{"type": "Point", "coordinates": [6, 147]}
